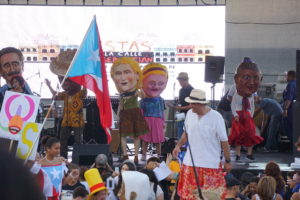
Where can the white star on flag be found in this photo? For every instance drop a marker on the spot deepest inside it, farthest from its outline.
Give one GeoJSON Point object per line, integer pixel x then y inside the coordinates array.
{"type": "Point", "coordinates": [95, 56]}
{"type": "Point", "coordinates": [55, 174]}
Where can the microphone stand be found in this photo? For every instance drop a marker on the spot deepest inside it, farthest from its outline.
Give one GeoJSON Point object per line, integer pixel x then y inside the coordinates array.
{"type": "Point", "coordinates": [194, 167]}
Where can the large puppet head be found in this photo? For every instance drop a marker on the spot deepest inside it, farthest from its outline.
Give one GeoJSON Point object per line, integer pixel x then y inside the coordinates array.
{"type": "Point", "coordinates": [11, 63]}
{"type": "Point", "coordinates": [155, 79]}
{"type": "Point", "coordinates": [247, 78]}
{"type": "Point", "coordinates": [126, 74]}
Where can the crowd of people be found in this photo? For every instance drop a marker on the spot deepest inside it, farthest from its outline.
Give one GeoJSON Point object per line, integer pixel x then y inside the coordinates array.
{"type": "Point", "coordinates": [203, 172]}
{"type": "Point", "coordinates": [53, 177]}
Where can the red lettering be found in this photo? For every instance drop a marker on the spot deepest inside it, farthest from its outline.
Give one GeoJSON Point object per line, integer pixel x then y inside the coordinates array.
{"type": "Point", "coordinates": [110, 45]}
{"type": "Point", "coordinates": [146, 45]}
{"type": "Point", "coordinates": [122, 44]}
{"type": "Point", "coordinates": [134, 44]}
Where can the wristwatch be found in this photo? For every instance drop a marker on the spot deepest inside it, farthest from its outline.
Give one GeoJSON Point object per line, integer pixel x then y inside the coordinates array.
{"type": "Point", "coordinates": [227, 160]}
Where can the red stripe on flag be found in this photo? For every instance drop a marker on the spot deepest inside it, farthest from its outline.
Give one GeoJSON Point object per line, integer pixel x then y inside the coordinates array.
{"type": "Point", "coordinates": [103, 101]}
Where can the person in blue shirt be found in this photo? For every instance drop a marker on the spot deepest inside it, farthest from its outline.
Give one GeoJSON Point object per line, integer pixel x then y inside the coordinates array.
{"type": "Point", "coordinates": [274, 111]}
{"type": "Point", "coordinates": [289, 95]}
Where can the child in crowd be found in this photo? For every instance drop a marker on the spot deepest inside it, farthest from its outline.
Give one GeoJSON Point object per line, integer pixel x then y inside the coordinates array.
{"type": "Point", "coordinates": [53, 165]}
{"type": "Point", "coordinates": [251, 188]}
{"type": "Point", "coordinates": [71, 181]}
{"type": "Point", "coordinates": [98, 191]}
{"type": "Point", "coordinates": [273, 169]}
{"type": "Point", "coordinates": [266, 189]}
{"type": "Point", "coordinates": [232, 188]}
{"type": "Point", "coordinates": [80, 193]}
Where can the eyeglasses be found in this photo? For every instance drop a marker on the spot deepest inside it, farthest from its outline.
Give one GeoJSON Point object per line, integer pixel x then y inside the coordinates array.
{"type": "Point", "coordinates": [253, 78]}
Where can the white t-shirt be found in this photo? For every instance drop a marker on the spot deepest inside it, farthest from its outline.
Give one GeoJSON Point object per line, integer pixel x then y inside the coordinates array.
{"type": "Point", "coordinates": [205, 135]}
{"type": "Point", "coordinates": [237, 104]}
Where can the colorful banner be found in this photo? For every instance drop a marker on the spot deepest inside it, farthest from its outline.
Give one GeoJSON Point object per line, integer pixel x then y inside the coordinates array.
{"type": "Point", "coordinates": [29, 140]}
{"type": "Point", "coordinates": [17, 109]}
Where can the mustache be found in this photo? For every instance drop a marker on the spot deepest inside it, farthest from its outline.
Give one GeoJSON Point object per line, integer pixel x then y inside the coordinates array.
{"type": "Point", "coordinates": [13, 73]}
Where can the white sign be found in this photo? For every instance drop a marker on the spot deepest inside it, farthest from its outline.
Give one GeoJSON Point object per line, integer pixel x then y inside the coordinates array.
{"type": "Point", "coordinates": [17, 109]}
{"type": "Point", "coordinates": [162, 172]}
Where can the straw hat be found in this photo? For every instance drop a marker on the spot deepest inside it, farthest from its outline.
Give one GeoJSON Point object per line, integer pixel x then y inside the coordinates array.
{"type": "Point", "coordinates": [197, 96]}
{"type": "Point", "coordinates": [94, 181]}
{"type": "Point", "coordinates": [61, 63]}
{"type": "Point", "coordinates": [183, 76]}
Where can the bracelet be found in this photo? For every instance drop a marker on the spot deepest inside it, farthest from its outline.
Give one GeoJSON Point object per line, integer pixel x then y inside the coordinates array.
{"type": "Point", "coordinates": [227, 160]}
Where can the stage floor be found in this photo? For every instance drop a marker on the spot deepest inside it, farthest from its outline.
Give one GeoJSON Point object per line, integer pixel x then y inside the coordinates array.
{"type": "Point", "coordinates": [284, 160]}
{"type": "Point", "coordinates": [261, 159]}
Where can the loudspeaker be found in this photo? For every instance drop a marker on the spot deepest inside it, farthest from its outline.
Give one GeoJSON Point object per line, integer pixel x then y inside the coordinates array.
{"type": "Point", "coordinates": [214, 69]}
{"type": "Point", "coordinates": [85, 154]}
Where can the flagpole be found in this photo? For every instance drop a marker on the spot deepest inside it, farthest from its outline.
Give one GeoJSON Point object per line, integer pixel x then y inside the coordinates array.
{"type": "Point", "coordinates": [60, 86]}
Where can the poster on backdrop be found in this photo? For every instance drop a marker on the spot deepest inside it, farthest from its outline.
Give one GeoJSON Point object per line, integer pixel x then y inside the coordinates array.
{"type": "Point", "coordinates": [17, 109]}
{"type": "Point", "coordinates": [28, 141]}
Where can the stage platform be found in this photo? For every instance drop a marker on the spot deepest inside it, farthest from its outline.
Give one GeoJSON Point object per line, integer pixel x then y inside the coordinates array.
{"type": "Point", "coordinates": [284, 160]}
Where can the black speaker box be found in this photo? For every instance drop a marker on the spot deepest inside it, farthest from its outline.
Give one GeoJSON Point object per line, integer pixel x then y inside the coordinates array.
{"type": "Point", "coordinates": [214, 69]}
{"type": "Point", "coordinates": [85, 154]}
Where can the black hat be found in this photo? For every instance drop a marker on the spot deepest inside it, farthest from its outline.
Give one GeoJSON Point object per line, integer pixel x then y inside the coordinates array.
{"type": "Point", "coordinates": [232, 181]}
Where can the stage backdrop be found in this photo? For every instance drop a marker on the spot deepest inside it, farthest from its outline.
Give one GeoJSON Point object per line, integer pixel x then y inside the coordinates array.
{"type": "Point", "coordinates": [178, 37]}
{"type": "Point", "coordinates": [267, 31]}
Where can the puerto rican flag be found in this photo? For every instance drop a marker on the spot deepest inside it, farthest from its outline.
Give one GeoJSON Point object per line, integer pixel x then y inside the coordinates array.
{"type": "Point", "coordinates": [88, 69]}
{"type": "Point", "coordinates": [44, 181]}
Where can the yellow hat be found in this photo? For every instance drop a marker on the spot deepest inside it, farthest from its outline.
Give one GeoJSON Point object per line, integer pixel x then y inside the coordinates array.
{"type": "Point", "coordinates": [94, 181]}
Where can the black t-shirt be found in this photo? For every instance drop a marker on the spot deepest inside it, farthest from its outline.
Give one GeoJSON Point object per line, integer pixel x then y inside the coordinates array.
{"type": "Point", "coordinates": [72, 187]}
{"type": "Point", "coordinates": [67, 191]}
{"type": "Point", "coordinates": [183, 93]}
{"type": "Point", "coordinates": [225, 104]}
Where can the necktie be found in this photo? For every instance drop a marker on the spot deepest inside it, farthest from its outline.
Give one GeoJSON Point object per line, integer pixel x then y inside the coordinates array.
{"type": "Point", "coordinates": [246, 103]}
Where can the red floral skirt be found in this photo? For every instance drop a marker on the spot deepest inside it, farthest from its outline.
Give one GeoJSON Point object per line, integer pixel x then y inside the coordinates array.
{"type": "Point", "coordinates": [212, 183]}
{"type": "Point", "coordinates": [243, 132]}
